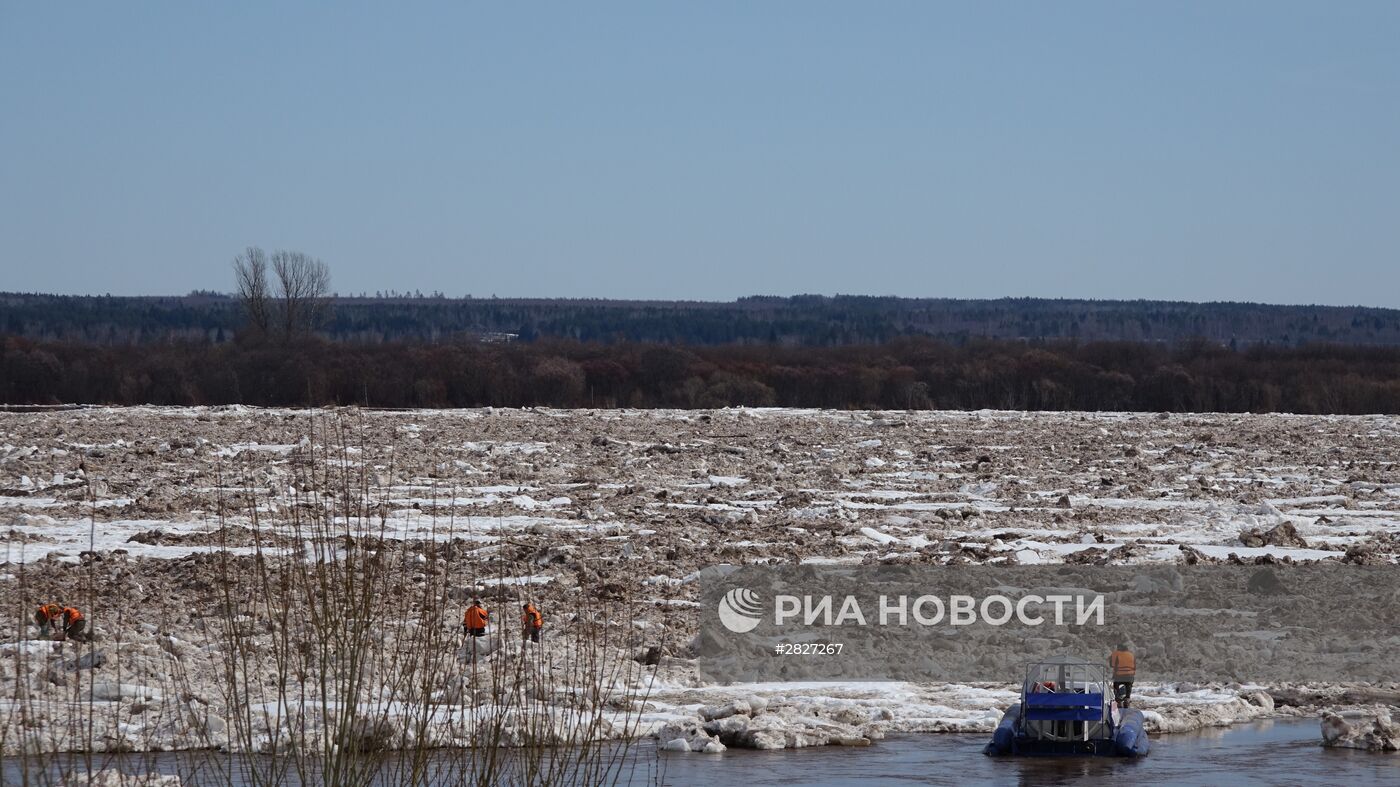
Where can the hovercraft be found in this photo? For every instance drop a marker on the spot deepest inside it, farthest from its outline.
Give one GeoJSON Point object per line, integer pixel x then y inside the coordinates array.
{"type": "Point", "coordinates": [1067, 709]}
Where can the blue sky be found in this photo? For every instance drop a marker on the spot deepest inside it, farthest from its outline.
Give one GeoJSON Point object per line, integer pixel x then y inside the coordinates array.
{"type": "Point", "coordinates": [1199, 151]}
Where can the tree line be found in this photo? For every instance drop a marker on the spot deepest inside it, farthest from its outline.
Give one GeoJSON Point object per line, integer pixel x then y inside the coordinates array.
{"type": "Point", "coordinates": [800, 320]}
{"type": "Point", "coordinates": [900, 374]}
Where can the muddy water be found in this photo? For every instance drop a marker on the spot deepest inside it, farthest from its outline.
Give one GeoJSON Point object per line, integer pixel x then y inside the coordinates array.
{"type": "Point", "coordinates": [1283, 752]}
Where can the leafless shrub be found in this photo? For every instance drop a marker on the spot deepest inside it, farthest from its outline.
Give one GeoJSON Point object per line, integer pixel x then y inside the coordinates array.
{"type": "Point", "coordinates": [333, 644]}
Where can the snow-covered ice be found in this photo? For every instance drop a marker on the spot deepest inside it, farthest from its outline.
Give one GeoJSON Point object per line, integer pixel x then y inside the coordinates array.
{"type": "Point", "coordinates": [561, 506]}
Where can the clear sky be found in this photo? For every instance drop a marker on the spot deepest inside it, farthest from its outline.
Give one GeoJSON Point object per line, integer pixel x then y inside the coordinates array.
{"type": "Point", "coordinates": [1184, 150]}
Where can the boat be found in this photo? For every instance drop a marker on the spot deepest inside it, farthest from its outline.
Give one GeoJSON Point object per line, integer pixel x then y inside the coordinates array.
{"type": "Point", "coordinates": [1067, 709]}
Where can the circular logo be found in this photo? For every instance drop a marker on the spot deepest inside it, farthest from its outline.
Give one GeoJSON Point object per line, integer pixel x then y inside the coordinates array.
{"type": "Point", "coordinates": [740, 610]}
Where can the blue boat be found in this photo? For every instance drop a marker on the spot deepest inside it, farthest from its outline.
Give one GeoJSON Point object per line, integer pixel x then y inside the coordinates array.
{"type": "Point", "coordinates": [1067, 709]}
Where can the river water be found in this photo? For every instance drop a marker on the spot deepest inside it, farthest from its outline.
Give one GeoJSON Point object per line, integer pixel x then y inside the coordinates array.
{"type": "Point", "coordinates": [1280, 752]}
{"type": "Point", "coordinates": [1262, 753]}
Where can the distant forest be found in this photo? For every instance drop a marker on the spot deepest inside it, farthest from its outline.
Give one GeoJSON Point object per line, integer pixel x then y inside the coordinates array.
{"type": "Point", "coordinates": [907, 373]}
{"type": "Point", "coordinates": [806, 321]}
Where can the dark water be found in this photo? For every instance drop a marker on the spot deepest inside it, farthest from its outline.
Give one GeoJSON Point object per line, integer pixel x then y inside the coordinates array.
{"type": "Point", "coordinates": [1281, 752]}
{"type": "Point", "coordinates": [1263, 753]}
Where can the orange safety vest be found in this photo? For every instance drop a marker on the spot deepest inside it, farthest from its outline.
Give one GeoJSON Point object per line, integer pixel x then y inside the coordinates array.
{"type": "Point", "coordinates": [71, 615]}
{"type": "Point", "coordinates": [1123, 663]}
{"type": "Point", "coordinates": [532, 617]}
{"type": "Point", "coordinates": [475, 617]}
{"type": "Point", "coordinates": [50, 611]}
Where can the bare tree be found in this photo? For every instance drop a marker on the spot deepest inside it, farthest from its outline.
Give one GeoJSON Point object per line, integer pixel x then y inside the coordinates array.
{"type": "Point", "coordinates": [302, 284]}
{"type": "Point", "coordinates": [250, 271]}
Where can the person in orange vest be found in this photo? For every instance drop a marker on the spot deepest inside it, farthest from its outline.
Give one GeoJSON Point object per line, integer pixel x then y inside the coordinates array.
{"type": "Point", "coordinates": [531, 622]}
{"type": "Point", "coordinates": [46, 617]}
{"type": "Point", "coordinates": [474, 622]}
{"type": "Point", "coordinates": [1124, 672]}
{"type": "Point", "coordinates": [74, 627]}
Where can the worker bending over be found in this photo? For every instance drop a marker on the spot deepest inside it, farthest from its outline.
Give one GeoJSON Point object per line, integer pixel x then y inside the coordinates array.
{"type": "Point", "coordinates": [474, 622]}
{"type": "Point", "coordinates": [46, 618]}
